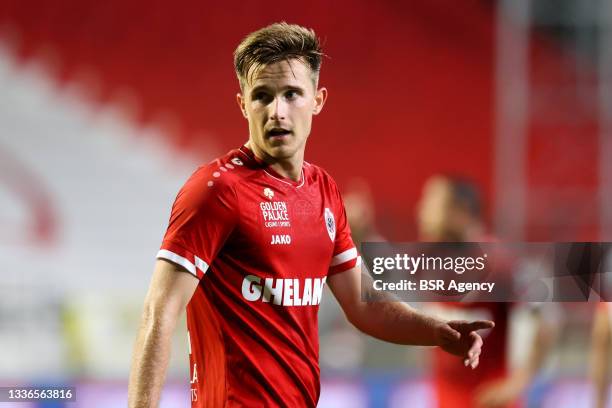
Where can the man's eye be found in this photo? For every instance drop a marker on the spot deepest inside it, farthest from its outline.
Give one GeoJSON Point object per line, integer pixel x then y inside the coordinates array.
{"type": "Point", "coordinates": [290, 94]}
{"type": "Point", "coordinates": [259, 96]}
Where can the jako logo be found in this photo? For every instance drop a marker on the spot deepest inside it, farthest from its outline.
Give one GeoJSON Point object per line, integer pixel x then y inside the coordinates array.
{"type": "Point", "coordinates": [280, 239]}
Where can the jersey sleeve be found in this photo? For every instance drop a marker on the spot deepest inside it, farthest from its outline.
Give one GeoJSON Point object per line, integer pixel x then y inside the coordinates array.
{"type": "Point", "coordinates": [203, 216]}
{"type": "Point", "coordinates": [345, 255]}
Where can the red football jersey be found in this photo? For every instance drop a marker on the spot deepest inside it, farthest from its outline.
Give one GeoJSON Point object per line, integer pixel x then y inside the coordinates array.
{"type": "Point", "coordinates": [262, 246]}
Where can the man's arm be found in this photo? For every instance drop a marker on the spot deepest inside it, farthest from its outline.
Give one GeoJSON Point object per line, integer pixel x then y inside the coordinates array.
{"type": "Point", "coordinates": [170, 290]}
{"type": "Point", "coordinates": [398, 323]}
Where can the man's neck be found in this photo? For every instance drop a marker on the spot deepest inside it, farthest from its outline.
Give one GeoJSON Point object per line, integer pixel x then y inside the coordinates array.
{"type": "Point", "coordinates": [290, 168]}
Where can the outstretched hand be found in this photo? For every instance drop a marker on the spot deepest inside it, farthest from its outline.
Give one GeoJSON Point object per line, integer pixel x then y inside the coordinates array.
{"type": "Point", "coordinates": [459, 337]}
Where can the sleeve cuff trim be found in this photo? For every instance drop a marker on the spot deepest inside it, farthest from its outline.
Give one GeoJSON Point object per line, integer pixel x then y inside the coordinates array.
{"type": "Point", "coordinates": [345, 256]}
{"type": "Point", "coordinates": [184, 262]}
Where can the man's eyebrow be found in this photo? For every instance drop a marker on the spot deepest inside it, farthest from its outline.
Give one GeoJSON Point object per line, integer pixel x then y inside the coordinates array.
{"type": "Point", "coordinates": [262, 87]}
{"type": "Point", "coordinates": [259, 88]}
{"type": "Point", "coordinates": [293, 87]}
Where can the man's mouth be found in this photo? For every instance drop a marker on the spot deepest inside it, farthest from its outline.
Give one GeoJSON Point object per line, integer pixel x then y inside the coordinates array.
{"type": "Point", "coordinates": [277, 132]}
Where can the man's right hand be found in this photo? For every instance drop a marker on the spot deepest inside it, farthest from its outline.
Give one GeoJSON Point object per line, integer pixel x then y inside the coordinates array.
{"type": "Point", "coordinates": [459, 337]}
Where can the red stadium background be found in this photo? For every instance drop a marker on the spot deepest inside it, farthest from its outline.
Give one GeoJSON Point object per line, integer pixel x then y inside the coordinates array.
{"type": "Point", "coordinates": [412, 92]}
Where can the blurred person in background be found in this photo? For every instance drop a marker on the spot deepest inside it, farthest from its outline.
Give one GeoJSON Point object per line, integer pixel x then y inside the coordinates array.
{"type": "Point", "coordinates": [601, 344]}
{"type": "Point", "coordinates": [253, 237]}
{"type": "Point", "coordinates": [601, 355]}
{"type": "Point", "coordinates": [361, 212]}
{"type": "Point", "coordinates": [450, 210]}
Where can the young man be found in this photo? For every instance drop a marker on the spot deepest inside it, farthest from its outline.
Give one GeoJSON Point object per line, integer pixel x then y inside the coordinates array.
{"type": "Point", "coordinates": [252, 239]}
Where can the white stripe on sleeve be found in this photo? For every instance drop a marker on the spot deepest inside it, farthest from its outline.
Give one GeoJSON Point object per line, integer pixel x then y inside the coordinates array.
{"type": "Point", "coordinates": [345, 256]}
{"type": "Point", "coordinates": [184, 262]}
{"type": "Point", "coordinates": [203, 266]}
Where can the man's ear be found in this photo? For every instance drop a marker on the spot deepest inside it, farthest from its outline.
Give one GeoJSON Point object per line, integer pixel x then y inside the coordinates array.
{"type": "Point", "coordinates": [320, 98]}
{"type": "Point", "coordinates": [241, 102]}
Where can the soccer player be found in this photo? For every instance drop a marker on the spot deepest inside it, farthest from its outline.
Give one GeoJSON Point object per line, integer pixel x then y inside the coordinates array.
{"type": "Point", "coordinates": [450, 210]}
{"type": "Point", "coordinates": [253, 237]}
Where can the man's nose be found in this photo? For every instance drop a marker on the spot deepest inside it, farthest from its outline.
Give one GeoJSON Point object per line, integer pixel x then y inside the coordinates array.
{"type": "Point", "coordinates": [278, 109]}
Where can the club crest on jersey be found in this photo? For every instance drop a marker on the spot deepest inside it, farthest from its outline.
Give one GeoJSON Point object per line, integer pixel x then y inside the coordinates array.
{"type": "Point", "coordinates": [268, 193]}
{"type": "Point", "coordinates": [330, 224]}
{"type": "Point", "coordinates": [237, 161]}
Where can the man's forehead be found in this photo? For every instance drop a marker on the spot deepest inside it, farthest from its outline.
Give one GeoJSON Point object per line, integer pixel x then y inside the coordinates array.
{"type": "Point", "coordinates": [286, 71]}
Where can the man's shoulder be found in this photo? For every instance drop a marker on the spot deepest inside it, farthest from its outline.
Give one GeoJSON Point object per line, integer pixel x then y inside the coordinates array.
{"type": "Point", "coordinates": [222, 172]}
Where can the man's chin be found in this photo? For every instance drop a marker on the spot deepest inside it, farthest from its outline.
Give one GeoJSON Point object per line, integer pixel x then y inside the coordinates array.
{"type": "Point", "coordinates": [281, 151]}
{"type": "Point", "coordinates": [282, 154]}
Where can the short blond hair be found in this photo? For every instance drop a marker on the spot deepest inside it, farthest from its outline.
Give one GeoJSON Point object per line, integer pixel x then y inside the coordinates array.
{"type": "Point", "coordinates": [277, 42]}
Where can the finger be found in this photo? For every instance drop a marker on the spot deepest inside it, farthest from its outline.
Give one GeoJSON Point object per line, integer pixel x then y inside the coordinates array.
{"type": "Point", "coordinates": [466, 362]}
{"type": "Point", "coordinates": [476, 344]}
{"type": "Point", "coordinates": [473, 354]}
{"type": "Point", "coordinates": [457, 324]}
{"type": "Point", "coordinates": [479, 325]}
{"type": "Point", "coordinates": [475, 363]}
{"type": "Point", "coordinates": [474, 357]}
